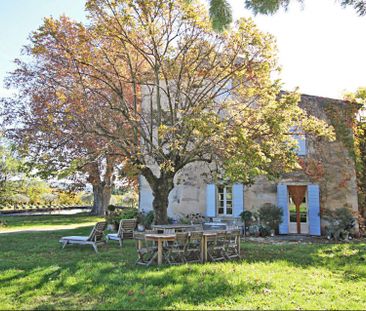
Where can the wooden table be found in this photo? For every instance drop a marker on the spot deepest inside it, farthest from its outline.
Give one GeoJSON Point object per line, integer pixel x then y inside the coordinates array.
{"type": "Point", "coordinates": [159, 238]}
{"type": "Point", "coordinates": [176, 227]}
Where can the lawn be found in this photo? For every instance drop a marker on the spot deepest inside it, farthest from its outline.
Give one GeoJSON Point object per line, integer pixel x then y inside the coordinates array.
{"type": "Point", "coordinates": [35, 273]}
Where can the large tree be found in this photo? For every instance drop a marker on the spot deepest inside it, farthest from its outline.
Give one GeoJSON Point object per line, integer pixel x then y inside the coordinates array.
{"type": "Point", "coordinates": [168, 91]}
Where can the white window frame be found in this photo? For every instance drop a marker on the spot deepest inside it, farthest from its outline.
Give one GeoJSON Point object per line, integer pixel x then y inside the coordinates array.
{"type": "Point", "coordinates": [225, 200]}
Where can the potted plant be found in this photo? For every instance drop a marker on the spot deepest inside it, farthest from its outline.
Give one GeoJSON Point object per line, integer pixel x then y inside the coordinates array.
{"type": "Point", "coordinates": [270, 216]}
{"type": "Point", "coordinates": [145, 220]}
{"type": "Point", "coordinates": [246, 218]}
{"type": "Point", "coordinates": [112, 217]}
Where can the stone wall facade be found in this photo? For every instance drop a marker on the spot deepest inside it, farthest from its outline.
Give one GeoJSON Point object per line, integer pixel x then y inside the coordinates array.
{"type": "Point", "coordinates": [330, 165]}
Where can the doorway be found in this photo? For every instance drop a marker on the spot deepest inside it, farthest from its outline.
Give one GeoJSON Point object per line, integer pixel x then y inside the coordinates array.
{"type": "Point", "coordinates": [298, 210]}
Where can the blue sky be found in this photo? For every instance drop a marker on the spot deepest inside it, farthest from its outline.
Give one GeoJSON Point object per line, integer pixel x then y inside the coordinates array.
{"type": "Point", "coordinates": [321, 46]}
{"type": "Point", "coordinates": [19, 17]}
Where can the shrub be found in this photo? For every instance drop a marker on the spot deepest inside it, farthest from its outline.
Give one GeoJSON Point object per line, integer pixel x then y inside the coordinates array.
{"type": "Point", "coordinates": [146, 219]}
{"type": "Point", "coordinates": [246, 217]}
{"type": "Point", "coordinates": [193, 218]}
{"type": "Point", "coordinates": [129, 213]}
{"type": "Point", "coordinates": [111, 208]}
{"type": "Point", "coordinates": [114, 214]}
{"type": "Point", "coordinates": [264, 230]}
{"type": "Point", "coordinates": [341, 223]}
{"type": "Point", "coordinates": [270, 216]}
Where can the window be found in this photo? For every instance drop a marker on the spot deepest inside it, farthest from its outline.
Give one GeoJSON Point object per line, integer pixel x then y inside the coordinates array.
{"type": "Point", "coordinates": [300, 137]}
{"type": "Point", "coordinates": [225, 200]}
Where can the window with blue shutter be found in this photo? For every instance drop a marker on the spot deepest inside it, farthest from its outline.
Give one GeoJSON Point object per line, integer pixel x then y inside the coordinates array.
{"type": "Point", "coordinates": [282, 202]}
{"type": "Point", "coordinates": [301, 144]}
{"type": "Point", "coordinates": [301, 141]}
{"type": "Point", "coordinates": [314, 209]}
{"type": "Point", "coordinates": [238, 199]}
{"type": "Point", "coordinates": [211, 200]}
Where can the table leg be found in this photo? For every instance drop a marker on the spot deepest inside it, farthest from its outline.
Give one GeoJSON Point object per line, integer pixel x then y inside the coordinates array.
{"type": "Point", "coordinates": [139, 244]}
{"type": "Point", "coordinates": [204, 249]}
{"type": "Point", "coordinates": [160, 252]}
{"type": "Point", "coordinates": [238, 237]}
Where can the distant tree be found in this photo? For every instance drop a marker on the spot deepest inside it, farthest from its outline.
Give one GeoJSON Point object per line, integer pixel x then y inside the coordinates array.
{"type": "Point", "coordinates": [272, 6]}
{"type": "Point", "coordinates": [10, 167]}
{"type": "Point", "coordinates": [17, 185]}
{"type": "Point", "coordinates": [220, 10]}
{"type": "Point", "coordinates": [220, 14]}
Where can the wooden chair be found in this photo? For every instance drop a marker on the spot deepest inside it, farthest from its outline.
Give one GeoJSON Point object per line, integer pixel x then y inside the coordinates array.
{"type": "Point", "coordinates": [147, 251]}
{"type": "Point", "coordinates": [232, 243]}
{"type": "Point", "coordinates": [95, 237]}
{"type": "Point", "coordinates": [176, 252]}
{"type": "Point", "coordinates": [125, 231]}
{"type": "Point", "coordinates": [216, 247]}
{"type": "Point", "coordinates": [194, 247]}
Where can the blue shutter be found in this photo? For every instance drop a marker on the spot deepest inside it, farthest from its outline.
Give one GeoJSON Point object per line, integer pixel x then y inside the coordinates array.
{"type": "Point", "coordinates": [211, 200]}
{"type": "Point", "coordinates": [282, 202]}
{"type": "Point", "coordinates": [238, 199]}
{"type": "Point", "coordinates": [314, 209]}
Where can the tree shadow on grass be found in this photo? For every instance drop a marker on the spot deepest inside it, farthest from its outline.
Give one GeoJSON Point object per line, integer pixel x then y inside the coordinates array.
{"type": "Point", "coordinates": [47, 277]}
{"type": "Point", "coordinates": [347, 258]}
{"type": "Point", "coordinates": [76, 277]}
{"type": "Point", "coordinates": [131, 287]}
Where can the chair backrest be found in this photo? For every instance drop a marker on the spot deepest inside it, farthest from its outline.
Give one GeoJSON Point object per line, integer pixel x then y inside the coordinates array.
{"type": "Point", "coordinates": [127, 225]}
{"type": "Point", "coordinates": [181, 239]}
{"type": "Point", "coordinates": [139, 235]}
{"type": "Point", "coordinates": [151, 231]}
{"type": "Point", "coordinates": [97, 232]}
{"type": "Point", "coordinates": [196, 235]}
{"type": "Point", "coordinates": [233, 236]}
{"type": "Point", "coordinates": [221, 235]}
{"type": "Point", "coordinates": [195, 227]}
{"type": "Point", "coordinates": [232, 227]}
{"type": "Point", "coordinates": [169, 231]}
{"type": "Point", "coordinates": [195, 239]}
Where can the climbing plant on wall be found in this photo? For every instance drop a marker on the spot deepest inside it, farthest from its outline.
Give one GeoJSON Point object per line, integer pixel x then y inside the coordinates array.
{"type": "Point", "coordinates": [359, 147]}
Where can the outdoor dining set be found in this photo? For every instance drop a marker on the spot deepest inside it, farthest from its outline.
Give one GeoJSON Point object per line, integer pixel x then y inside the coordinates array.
{"type": "Point", "coordinates": [171, 244]}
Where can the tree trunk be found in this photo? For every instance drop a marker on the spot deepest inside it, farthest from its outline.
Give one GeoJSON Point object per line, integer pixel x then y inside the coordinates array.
{"type": "Point", "coordinates": [160, 205]}
{"type": "Point", "coordinates": [102, 187]}
{"type": "Point", "coordinates": [102, 196]}
{"type": "Point", "coordinates": [161, 188]}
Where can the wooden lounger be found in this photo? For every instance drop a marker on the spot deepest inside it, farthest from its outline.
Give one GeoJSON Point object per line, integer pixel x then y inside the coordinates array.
{"type": "Point", "coordinates": [95, 237]}
{"type": "Point", "coordinates": [125, 231]}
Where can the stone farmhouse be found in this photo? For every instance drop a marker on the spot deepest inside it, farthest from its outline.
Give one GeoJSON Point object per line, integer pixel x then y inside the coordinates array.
{"type": "Point", "coordinates": [326, 180]}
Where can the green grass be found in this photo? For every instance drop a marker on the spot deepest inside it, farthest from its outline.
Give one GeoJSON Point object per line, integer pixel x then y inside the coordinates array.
{"type": "Point", "coordinates": [35, 273]}
{"type": "Point", "coordinates": [47, 221]}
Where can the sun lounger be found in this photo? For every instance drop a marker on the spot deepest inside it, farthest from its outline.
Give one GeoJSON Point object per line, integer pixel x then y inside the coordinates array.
{"type": "Point", "coordinates": [95, 237]}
